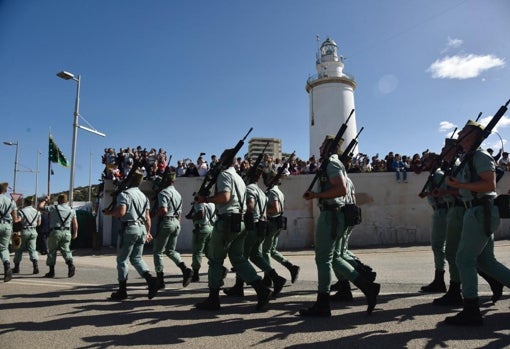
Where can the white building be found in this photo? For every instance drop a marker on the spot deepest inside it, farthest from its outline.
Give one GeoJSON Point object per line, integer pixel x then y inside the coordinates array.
{"type": "Point", "coordinates": [331, 96]}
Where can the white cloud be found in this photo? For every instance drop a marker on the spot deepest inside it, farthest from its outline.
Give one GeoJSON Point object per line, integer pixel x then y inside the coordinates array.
{"type": "Point", "coordinates": [452, 43]}
{"type": "Point", "coordinates": [445, 126]}
{"type": "Point", "coordinates": [502, 123]}
{"type": "Point", "coordinates": [463, 66]}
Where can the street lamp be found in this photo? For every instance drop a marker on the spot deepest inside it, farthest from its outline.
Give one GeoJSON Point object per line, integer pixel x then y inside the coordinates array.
{"type": "Point", "coordinates": [15, 163]}
{"type": "Point", "coordinates": [69, 76]}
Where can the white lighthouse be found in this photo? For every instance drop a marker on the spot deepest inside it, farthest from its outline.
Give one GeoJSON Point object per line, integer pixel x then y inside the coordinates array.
{"type": "Point", "coordinates": [331, 95]}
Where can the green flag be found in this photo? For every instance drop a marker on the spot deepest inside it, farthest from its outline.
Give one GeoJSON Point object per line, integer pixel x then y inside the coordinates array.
{"type": "Point", "coordinates": [55, 155]}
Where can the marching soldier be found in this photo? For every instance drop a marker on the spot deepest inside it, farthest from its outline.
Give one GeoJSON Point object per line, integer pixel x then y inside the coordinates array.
{"type": "Point", "coordinates": [63, 228]}
{"type": "Point", "coordinates": [275, 210]}
{"type": "Point", "coordinates": [30, 220]}
{"type": "Point", "coordinates": [332, 189]}
{"type": "Point", "coordinates": [438, 230]}
{"type": "Point", "coordinates": [8, 215]}
{"type": "Point", "coordinates": [203, 216]}
{"type": "Point", "coordinates": [255, 220]}
{"type": "Point", "coordinates": [342, 251]}
{"type": "Point", "coordinates": [228, 236]}
{"type": "Point", "coordinates": [133, 210]}
{"type": "Point", "coordinates": [476, 186]}
{"type": "Point", "coordinates": [168, 229]}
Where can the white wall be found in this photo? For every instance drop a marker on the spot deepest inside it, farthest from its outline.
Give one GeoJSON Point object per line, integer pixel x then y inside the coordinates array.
{"type": "Point", "coordinates": [392, 212]}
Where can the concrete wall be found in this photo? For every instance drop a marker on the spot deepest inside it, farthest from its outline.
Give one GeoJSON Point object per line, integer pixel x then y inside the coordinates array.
{"type": "Point", "coordinates": [393, 213]}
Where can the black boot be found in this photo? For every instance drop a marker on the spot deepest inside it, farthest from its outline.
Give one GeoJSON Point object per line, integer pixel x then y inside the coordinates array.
{"type": "Point", "coordinates": [237, 290]}
{"type": "Point", "coordinates": [7, 272]}
{"type": "Point", "coordinates": [495, 285]}
{"type": "Point", "coordinates": [263, 294]}
{"type": "Point", "coordinates": [212, 302]}
{"type": "Point", "coordinates": [335, 286]}
{"type": "Point", "coordinates": [451, 298]}
{"type": "Point", "coordinates": [370, 290]}
{"type": "Point", "coordinates": [51, 273]}
{"type": "Point", "coordinates": [344, 293]}
{"type": "Point", "coordinates": [187, 274]}
{"type": "Point", "coordinates": [161, 280]}
{"type": "Point", "coordinates": [469, 316]}
{"type": "Point", "coordinates": [278, 282]}
{"type": "Point", "coordinates": [15, 270]}
{"type": "Point", "coordinates": [121, 293]}
{"type": "Point", "coordinates": [195, 277]}
{"type": "Point", "coordinates": [319, 308]}
{"type": "Point", "coordinates": [365, 271]}
{"type": "Point", "coordinates": [35, 264]}
{"type": "Point", "coordinates": [71, 269]}
{"type": "Point", "coordinates": [437, 285]}
{"type": "Point", "coordinates": [293, 269]}
{"type": "Point", "coordinates": [266, 280]}
{"type": "Point", "coordinates": [152, 284]}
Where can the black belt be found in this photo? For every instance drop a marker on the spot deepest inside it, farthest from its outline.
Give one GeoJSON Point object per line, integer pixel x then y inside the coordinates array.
{"type": "Point", "coordinates": [202, 225]}
{"type": "Point", "coordinates": [169, 217]}
{"type": "Point", "coordinates": [226, 215]}
{"type": "Point", "coordinates": [60, 228]}
{"type": "Point", "coordinates": [328, 207]}
{"type": "Point", "coordinates": [439, 206]}
{"type": "Point", "coordinates": [4, 221]}
{"type": "Point", "coordinates": [274, 218]}
{"type": "Point", "coordinates": [476, 202]}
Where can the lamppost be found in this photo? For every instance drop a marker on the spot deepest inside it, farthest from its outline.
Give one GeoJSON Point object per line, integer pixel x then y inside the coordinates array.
{"type": "Point", "coordinates": [69, 76]}
{"type": "Point", "coordinates": [15, 163]}
{"type": "Point", "coordinates": [36, 177]}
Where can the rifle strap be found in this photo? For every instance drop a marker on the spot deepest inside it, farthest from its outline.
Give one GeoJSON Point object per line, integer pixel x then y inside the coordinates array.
{"type": "Point", "coordinates": [62, 221]}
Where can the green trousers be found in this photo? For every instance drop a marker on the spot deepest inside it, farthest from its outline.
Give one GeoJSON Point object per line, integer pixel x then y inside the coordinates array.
{"type": "Point", "coordinates": [253, 250]}
{"type": "Point", "coordinates": [226, 243]}
{"type": "Point", "coordinates": [165, 242]}
{"type": "Point", "coordinates": [438, 238]}
{"type": "Point", "coordinates": [130, 248]}
{"type": "Point", "coordinates": [28, 243]}
{"type": "Point", "coordinates": [59, 240]}
{"type": "Point", "coordinates": [5, 238]}
{"type": "Point", "coordinates": [476, 249]}
{"type": "Point", "coordinates": [200, 244]}
{"type": "Point", "coordinates": [330, 227]}
{"type": "Point", "coordinates": [454, 218]}
{"type": "Point", "coordinates": [270, 244]}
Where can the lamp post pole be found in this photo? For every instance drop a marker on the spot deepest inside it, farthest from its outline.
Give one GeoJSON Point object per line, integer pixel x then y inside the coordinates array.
{"type": "Point", "coordinates": [36, 178]}
{"type": "Point", "coordinates": [68, 76]}
{"type": "Point", "coordinates": [15, 163]}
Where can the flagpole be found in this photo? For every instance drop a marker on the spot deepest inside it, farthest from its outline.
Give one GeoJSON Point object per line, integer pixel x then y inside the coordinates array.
{"type": "Point", "coordinates": [49, 164]}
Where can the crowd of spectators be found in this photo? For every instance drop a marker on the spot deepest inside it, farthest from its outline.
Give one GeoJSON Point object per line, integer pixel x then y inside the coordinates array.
{"type": "Point", "coordinates": [153, 163]}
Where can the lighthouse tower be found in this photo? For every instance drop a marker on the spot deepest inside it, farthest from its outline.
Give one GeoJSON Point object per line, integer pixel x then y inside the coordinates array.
{"type": "Point", "coordinates": [331, 96]}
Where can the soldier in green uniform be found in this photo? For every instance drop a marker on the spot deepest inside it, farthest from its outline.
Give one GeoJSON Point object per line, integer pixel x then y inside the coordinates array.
{"type": "Point", "coordinates": [228, 236]}
{"type": "Point", "coordinates": [438, 230]}
{"type": "Point", "coordinates": [476, 185]}
{"type": "Point", "coordinates": [30, 220]}
{"type": "Point", "coordinates": [133, 210]}
{"type": "Point", "coordinates": [203, 216]}
{"type": "Point", "coordinates": [8, 215]}
{"type": "Point", "coordinates": [343, 287]}
{"type": "Point", "coordinates": [255, 220]}
{"type": "Point", "coordinates": [63, 228]}
{"type": "Point", "coordinates": [168, 229]}
{"type": "Point", "coordinates": [275, 215]}
{"type": "Point", "coordinates": [332, 189]}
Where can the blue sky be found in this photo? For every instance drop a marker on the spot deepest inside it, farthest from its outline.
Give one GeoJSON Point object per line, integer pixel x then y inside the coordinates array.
{"type": "Point", "coordinates": [194, 76]}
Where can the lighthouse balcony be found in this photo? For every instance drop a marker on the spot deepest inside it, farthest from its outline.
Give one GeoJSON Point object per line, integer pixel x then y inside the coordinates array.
{"type": "Point", "coordinates": [324, 77]}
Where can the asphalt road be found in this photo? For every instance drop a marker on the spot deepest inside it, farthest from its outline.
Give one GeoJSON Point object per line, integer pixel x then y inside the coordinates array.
{"type": "Point", "coordinates": [75, 313]}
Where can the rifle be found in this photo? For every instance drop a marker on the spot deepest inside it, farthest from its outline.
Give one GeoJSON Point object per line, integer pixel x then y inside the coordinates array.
{"type": "Point", "coordinates": [347, 154]}
{"type": "Point", "coordinates": [485, 133]}
{"type": "Point", "coordinates": [279, 172]}
{"type": "Point", "coordinates": [253, 168]}
{"type": "Point", "coordinates": [213, 173]}
{"type": "Point", "coordinates": [332, 148]}
{"type": "Point", "coordinates": [123, 185]}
